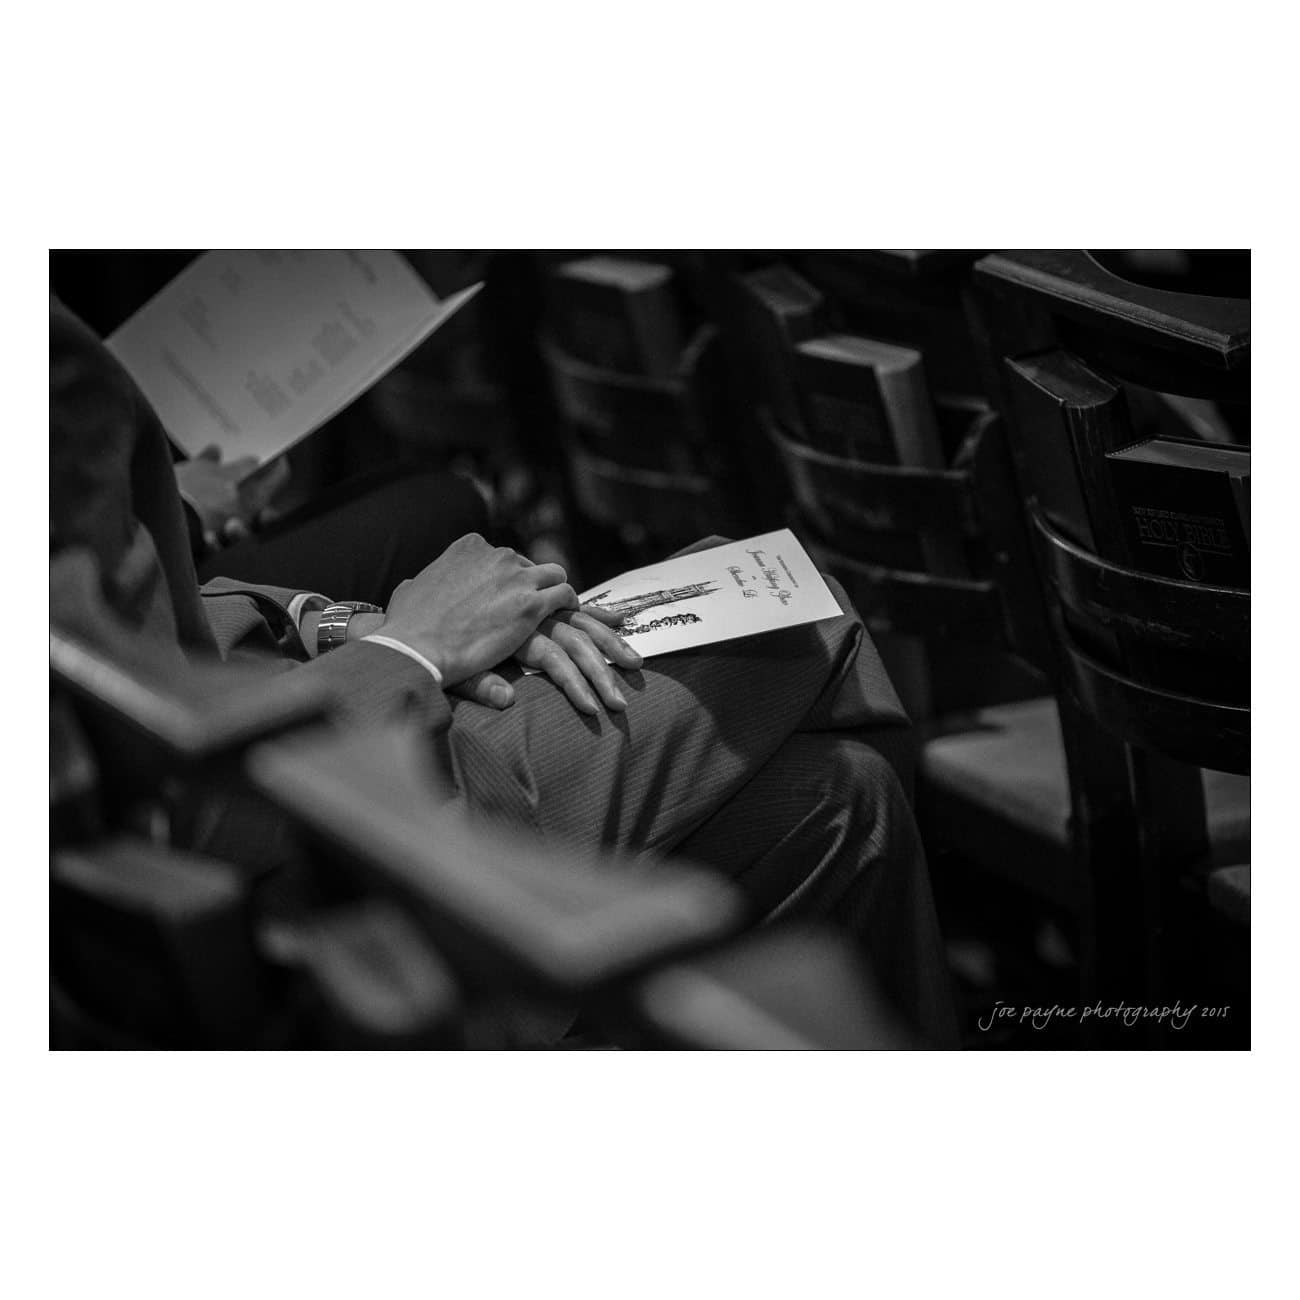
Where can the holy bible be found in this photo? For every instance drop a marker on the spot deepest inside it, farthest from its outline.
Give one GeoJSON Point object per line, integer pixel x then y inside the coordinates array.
{"type": "Point", "coordinates": [1184, 509]}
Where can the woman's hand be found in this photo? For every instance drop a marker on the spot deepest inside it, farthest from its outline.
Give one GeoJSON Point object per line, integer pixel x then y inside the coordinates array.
{"type": "Point", "coordinates": [571, 648]}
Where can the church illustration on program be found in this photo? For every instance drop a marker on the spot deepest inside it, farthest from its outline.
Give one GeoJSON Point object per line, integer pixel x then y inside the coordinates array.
{"type": "Point", "coordinates": [631, 606]}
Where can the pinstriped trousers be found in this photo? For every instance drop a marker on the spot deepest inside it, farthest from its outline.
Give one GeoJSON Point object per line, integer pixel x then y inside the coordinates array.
{"type": "Point", "coordinates": [763, 758]}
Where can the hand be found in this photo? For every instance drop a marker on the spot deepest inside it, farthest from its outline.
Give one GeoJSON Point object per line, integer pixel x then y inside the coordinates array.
{"type": "Point", "coordinates": [571, 648]}
{"type": "Point", "coordinates": [227, 498]}
{"type": "Point", "coordinates": [474, 606]}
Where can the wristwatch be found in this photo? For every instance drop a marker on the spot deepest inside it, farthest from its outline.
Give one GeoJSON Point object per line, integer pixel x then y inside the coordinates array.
{"type": "Point", "coordinates": [332, 630]}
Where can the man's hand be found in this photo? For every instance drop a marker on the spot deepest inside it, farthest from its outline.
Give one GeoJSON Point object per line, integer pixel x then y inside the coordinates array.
{"type": "Point", "coordinates": [474, 606]}
{"type": "Point", "coordinates": [571, 648]}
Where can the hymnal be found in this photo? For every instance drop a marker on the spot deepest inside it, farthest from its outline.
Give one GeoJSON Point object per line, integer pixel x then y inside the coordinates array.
{"type": "Point", "coordinates": [1185, 509]}
{"type": "Point", "coordinates": [253, 349]}
{"type": "Point", "coordinates": [619, 314]}
{"type": "Point", "coordinates": [779, 310]}
{"type": "Point", "coordinates": [868, 400]}
{"type": "Point", "coordinates": [1071, 416]}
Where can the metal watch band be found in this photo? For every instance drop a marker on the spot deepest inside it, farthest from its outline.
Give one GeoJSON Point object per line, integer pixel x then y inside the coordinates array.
{"type": "Point", "coordinates": [332, 630]}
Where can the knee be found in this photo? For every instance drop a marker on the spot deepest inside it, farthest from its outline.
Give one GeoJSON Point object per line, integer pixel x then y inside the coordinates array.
{"type": "Point", "coordinates": [863, 782]}
{"type": "Point", "coordinates": [847, 609]}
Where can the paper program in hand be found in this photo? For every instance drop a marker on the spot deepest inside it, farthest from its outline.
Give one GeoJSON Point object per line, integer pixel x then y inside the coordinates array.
{"type": "Point", "coordinates": [735, 590]}
{"type": "Point", "coordinates": [252, 350]}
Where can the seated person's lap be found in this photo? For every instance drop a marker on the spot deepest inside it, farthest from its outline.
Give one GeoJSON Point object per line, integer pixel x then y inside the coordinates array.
{"type": "Point", "coordinates": [699, 724]}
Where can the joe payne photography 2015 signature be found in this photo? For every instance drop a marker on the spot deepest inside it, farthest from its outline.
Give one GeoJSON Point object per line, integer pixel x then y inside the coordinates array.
{"type": "Point", "coordinates": [1126, 1013]}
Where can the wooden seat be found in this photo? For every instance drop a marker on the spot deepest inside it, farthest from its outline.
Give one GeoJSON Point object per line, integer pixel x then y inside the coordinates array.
{"type": "Point", "coordinates": [1011, 758]}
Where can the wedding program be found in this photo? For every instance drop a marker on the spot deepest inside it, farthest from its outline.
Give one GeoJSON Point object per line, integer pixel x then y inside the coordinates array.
{"type": "Point", "coordinates": [253, 349]}
{"type": "Point", "coordinates": [735, 590]}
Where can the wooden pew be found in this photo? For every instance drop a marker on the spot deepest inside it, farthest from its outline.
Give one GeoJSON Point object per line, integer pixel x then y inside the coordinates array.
{"type": "Point", "coordinates": [646, 451]}
{"type": "Point", "coordinates": [1153, 670]}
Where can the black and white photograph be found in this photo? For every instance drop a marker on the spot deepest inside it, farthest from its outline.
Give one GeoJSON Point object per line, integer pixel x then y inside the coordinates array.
{"type": "Point", "coordinates": [622, 745]}
{"type": "Point", "coordinates": [639, 650]}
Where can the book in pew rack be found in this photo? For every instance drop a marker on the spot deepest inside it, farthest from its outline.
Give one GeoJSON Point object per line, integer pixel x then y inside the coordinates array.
{"type": "Point", "coordinates": [251, 350]}
{"type": "Point", "coordinates": [1184, 508]}
{"type": "Point", "coordinates": [620, 314]}
{"type": "Point", "coordinates": [779, 309]}
{"type": "Point", "coordinates": [868, 401]}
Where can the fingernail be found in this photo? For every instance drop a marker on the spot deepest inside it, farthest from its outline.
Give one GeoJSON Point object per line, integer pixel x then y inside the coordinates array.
{"type": "Point", "coordinates": [622, 703]}
{"type": "Point", "coordinates": [501, 696]}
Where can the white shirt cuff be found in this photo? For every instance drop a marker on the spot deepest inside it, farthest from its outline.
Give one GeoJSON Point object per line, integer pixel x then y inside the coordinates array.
{"type": "Point", "coordinates": [402, 648]}
{"type": "Point", "coordinates": [298, 606]}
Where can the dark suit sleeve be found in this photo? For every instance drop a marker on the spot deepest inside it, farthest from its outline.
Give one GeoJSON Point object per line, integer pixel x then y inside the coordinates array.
{"type": "Point", "coordinates": [369, 681]}
{"type": "Point", "coordinates": [374, 683]}
{"type": "Point", "coordinates": [247, 617]}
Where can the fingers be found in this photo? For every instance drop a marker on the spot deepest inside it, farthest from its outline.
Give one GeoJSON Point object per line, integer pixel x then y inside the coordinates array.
{"type": "Point", "coordinates": [589, 659]}
{"type": "Point", "coordinates": [487, 688]}
{"type": "Point", "coordinates": [546, 575]}
{"type": "Point", "coordinates": [608, 617]}
{"type": "Point", "coordinates": [554, 599]}
{"type": "Point", "coordinates": [543, 652]}
{"type": "Point", "coordinates": [608, 642]}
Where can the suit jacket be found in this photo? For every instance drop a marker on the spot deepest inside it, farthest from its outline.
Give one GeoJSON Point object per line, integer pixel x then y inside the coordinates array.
{"type": "Point", "coordinates": [113, 493]}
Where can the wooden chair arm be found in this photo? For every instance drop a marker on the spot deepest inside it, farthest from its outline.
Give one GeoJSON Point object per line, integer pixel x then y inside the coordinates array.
{"type": "Point", "coordinates": [376, 979]}
{"type": "Point", "coordinates": [179, 713]}
{"type": "Point", "coordinates": [500, 906]}
{"type": "Point", "coordinates": [780, 989]}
